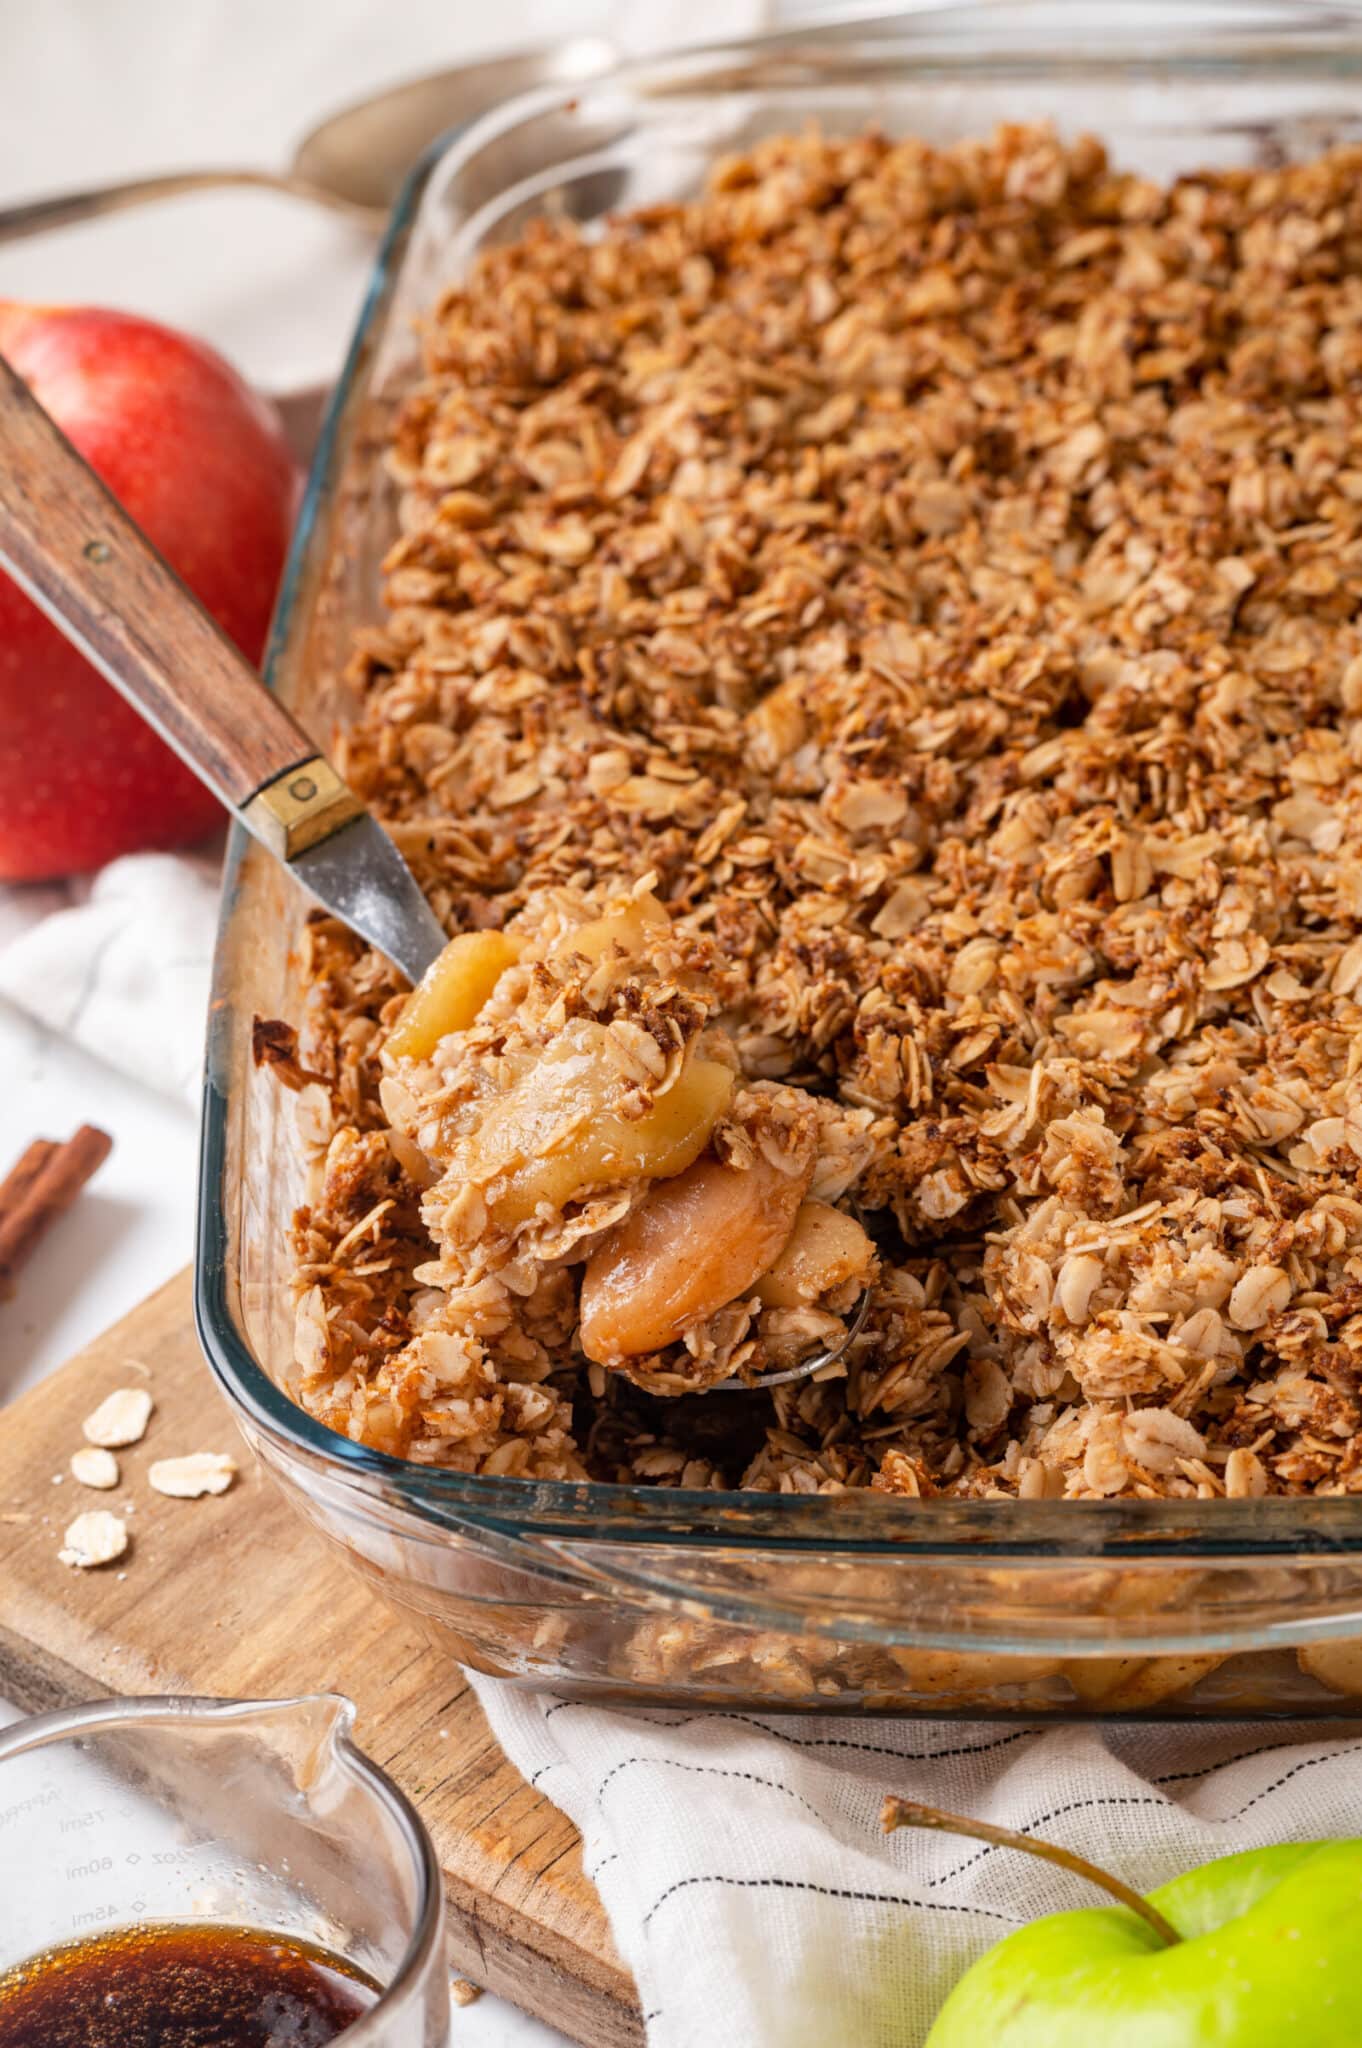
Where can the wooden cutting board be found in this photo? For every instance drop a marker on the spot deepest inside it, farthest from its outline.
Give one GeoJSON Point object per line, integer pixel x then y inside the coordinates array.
{"type": "Point", "coordinates": [236, 1596]}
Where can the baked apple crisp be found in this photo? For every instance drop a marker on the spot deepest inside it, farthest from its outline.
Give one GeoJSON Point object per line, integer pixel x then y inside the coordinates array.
{"type": "Point", "coordinates": [871, 684]}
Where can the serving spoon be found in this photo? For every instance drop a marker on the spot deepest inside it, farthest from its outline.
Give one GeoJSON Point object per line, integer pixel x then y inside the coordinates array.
{"type": "Point", "coordinates": [66, 540]}
{"type": "Point", "coordinates": [354, 162]}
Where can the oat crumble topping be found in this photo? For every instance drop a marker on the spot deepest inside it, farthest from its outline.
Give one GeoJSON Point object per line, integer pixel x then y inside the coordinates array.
{"type": "Point", "coordinates": [915, 591]}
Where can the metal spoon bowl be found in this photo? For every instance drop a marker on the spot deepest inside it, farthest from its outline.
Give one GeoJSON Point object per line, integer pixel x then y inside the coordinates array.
{"type": "Point", "coordinates": [808, 1367]}
{"type": "Point", "coordinates": [353, 162]}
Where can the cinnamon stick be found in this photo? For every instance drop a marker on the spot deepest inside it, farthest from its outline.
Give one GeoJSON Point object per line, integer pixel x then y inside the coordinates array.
{"type": "Point", "coordinates": [44, 1182]}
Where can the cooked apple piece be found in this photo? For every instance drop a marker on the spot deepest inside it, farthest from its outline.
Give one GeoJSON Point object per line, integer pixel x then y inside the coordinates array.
{"type": "Point", "coordinates": [691, 1245]}
{"type": "Point", "coordinates": [626, 933]}
{"type": "Point", "coordinates": [971, 1677]}
{"type": "Point", "coordinates": [1123, 1684]}
{"type": "Point", "coordinates": [825, 1249]}
{"type": "Point", "coordinates": [1335, 1664]}
{"type": "Point", "coordinates": [452, 991]}
{"type": "Point", "coordinates": [553, 1136]}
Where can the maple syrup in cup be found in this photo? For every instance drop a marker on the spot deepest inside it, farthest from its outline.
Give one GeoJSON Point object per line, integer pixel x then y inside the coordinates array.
{"type": "Point", "coordinates": [181, 1987]}
{"type": "Point", "coordinates": [213, 1874]}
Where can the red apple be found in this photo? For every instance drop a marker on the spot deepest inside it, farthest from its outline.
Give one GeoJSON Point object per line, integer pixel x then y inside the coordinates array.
{"type": "Point", "coordinates": [201, 464]}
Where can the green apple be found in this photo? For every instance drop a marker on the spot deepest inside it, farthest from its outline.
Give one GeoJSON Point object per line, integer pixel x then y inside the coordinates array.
{"type": "Point", "coordinates": [1268, 1956]}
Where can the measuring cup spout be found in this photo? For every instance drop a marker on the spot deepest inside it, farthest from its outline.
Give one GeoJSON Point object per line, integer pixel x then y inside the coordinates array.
{"type": "Point", "coordinates": [251, 1813]}
{"type": "Point", "coordinates": [312, 1735]}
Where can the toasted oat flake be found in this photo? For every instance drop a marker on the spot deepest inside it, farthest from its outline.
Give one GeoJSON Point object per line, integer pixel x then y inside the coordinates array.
{"type": "Point", "coordinates": [886, 629]}
{"type": "Point", "coordinates": [464, 1991]}
{"type": "Point", "coordinates": [1262, 1292]}
{"type": "Point", "coordinates": [188, 1477]}
{"type": "Point", "coordinates": [94, 1538]}
{"type": "Point", "coordinates": [120, 1419]}
{"type": "Point", "coordinates": [1245, 1478]}
{"type": "Point", "coordinates": [93, 1466]}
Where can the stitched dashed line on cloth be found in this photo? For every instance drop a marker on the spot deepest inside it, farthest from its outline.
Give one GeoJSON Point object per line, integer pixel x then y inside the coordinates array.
{"type": "Point", "coordinates": [1130, 1799]}
{"type": "Point", "coordinates": [1039, 1820]}
{"type": "Point", "coordinates": [592, 1875]}
{"type": "Point", "coordinates": [673, 1763]}
{"type": "Point", "coordinates": [903, 1756]}
{"type": "Point", "coordinates": [980, 1749]}
{"type": "Point", "coordinates": [1242, 1756]}
{"type": "Point", "coordinates": [561, 1706]}
{"type": "Point", "coordinates": [1307, 1763]}
{"type": "Point", "coordinates": [826, 1891]}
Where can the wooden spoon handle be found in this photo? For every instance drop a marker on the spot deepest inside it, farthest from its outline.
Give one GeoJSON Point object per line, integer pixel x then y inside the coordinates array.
{"type": "Point", "coordinates": [70, 545]}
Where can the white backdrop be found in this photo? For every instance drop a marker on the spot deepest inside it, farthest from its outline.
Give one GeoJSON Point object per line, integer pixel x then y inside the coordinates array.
{"type": "Point", "coordinates": [92, 90]}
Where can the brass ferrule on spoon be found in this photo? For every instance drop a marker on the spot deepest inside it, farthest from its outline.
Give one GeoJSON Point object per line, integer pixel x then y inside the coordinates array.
{"type": "Point", "coordinates": [301, 807]}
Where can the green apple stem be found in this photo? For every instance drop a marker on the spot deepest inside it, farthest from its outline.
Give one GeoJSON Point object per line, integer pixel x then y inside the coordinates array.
{"type": "Point", "coordinates": [911, 1813]}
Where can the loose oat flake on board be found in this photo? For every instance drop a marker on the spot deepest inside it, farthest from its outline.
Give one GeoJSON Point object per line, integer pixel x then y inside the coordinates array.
{"type": "Point", "coordinates": [94, 1538]}
{"type": "Point", "coordinates": [198, 1473]}
{"type": "Point", "coordinates": [120, 1419]}
{"type": "Point", "coordinates": [94, 1466]}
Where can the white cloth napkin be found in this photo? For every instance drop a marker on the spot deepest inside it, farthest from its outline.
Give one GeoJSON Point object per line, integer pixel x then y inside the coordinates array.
{"type": "Point", "coordinates": [756, 1900]}
{"type": "Point", "coordinates": [120, 963]}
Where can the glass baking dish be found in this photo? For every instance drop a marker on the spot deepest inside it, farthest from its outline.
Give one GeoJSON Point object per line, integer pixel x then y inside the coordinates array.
{"type": "Point", "coordinates": [799, 1602]}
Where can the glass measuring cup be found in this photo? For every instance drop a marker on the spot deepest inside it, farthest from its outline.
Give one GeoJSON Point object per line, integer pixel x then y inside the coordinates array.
{"type": "Point", "coordinates": [244, 1813]}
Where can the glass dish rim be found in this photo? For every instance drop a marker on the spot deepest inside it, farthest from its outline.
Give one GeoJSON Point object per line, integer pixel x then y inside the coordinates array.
{"type": "Point", "coordinates": [859, 1522]}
